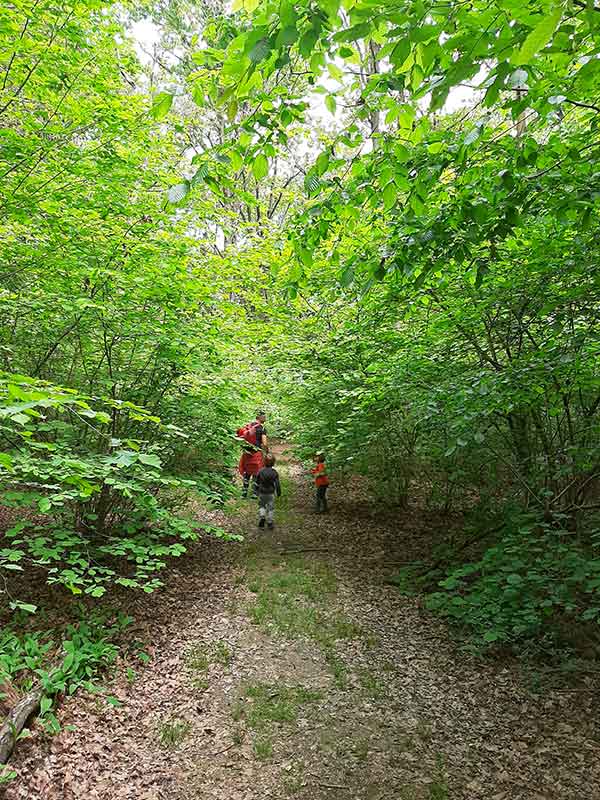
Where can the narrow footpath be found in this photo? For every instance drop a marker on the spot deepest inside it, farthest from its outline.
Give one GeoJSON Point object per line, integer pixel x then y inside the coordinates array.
{"type": "Point", "coordinates": [285, 667]}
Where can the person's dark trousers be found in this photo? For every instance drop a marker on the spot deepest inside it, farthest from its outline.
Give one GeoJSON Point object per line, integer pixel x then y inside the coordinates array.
{"type": "Point", "coordinates": [322, 500]}
{"type": "Point", "coordinates": [247, 477]}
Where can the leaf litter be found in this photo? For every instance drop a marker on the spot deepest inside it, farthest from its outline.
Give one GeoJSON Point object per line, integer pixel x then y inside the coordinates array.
{"type": "Point", "coordinates": [375, 702]}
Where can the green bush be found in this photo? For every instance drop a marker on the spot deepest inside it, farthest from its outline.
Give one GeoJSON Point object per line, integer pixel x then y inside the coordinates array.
{"type": "Point", "coordinates": [535, 580]}
{"type": "Point", "coordinates": [60, 661]}
{"type": "Point", "coordinates": [106, 499]}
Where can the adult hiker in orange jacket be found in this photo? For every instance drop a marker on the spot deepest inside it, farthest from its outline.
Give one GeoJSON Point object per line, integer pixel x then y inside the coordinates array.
{"type": "Point", "coordinates": [256, 445]}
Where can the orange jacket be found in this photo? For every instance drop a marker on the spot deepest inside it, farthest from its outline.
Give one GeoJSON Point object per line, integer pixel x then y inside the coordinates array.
{"type": "Point", "coordinates": [320, 473]}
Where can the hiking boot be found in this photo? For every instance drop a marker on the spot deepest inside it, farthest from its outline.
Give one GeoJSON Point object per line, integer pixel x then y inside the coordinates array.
{"type": "Point", "coordinates": [261, 522]}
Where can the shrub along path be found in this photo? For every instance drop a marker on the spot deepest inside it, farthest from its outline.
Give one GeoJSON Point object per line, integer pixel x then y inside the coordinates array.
{"type": "Point", "coordinates": [286, 667]}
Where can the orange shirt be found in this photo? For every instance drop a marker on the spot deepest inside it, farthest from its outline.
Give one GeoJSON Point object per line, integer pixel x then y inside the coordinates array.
{"type": "Point", "coordinates": [320, 480]}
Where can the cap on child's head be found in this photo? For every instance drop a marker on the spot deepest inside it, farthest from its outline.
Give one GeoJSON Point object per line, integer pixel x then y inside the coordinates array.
{"type": "Point", "coordinates": [269, 460]}
{"type": "Point", "coordinates": [320, 456]}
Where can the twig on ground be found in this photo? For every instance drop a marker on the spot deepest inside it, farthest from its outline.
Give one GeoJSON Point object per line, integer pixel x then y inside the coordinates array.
{"type": "Point", "coordinates": [224, 750]}
{"type": "Point", "coordinates": [328, 785]}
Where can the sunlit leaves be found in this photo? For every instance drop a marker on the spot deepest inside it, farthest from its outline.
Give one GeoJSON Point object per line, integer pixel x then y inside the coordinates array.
{"type": "Point", "coordinates": [390, 192]}
{"type": "Point", "coordinates": [539, 36]}
{"type": "Point", "coordinates": [260, 167]}
{"type": "Point", "coordinates": [161, 105]}
{"type": "Point", "coordinates": [178, 192]}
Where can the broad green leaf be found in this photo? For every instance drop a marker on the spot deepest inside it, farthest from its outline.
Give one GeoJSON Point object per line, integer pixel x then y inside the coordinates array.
{"type": "Point", "coordinates": [354, 33]}
{"type": "Point", "coordinates": [492, 636]}
{"type": "Point", "coordinates": [161, 105]}
{"type": "Point", "coordinates": [177, 193]}
{"type": "Point", "coordinates": [389, 195]}
{"type": "Point", "coordinates": [260, 51]}
{"type": "Point", "coordinates": [539, 37]}
{"type": "Point", "coordinates": [246, 5]}
{"type": "Point", "coordinates": [287, 36]}
{"type": "Point", "coordinates": [306, 256]}
{"type": "Point", "coordinates": [322, 163]}
{"type": "Point", "coordinates": [347, 276]}
{"type": "Point", "coordinates": [307, 42]}
{"type": "Point", "coordinates": [260, 167]}
{"type": "Point", "coordinates": [335, 71]}
{"type": "Point", "coordinates": [150, 459]}
{"type": "Point", "coordinates": [17, 605]}
{"type": "Point", "coordinates": [44, 505]}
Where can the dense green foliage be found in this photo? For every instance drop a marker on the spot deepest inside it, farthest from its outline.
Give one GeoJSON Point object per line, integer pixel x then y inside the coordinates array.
{"type": "Point", "coordinates": [103, 292]}
{"type": "Point", "coordinates": [284, 207]}
{"type": "Point", "coordinates": [444, 266]}
{"type": "Point", "coordinates": [119, 386]}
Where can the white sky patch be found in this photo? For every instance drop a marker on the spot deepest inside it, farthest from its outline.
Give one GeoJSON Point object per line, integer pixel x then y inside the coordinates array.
{"type": "Point", "coordinates": [461, 97]}
{"type": "Point", "coordinates": [145, 35]}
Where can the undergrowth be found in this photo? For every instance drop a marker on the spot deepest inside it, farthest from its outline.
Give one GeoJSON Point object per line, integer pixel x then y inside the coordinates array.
{"type": "Point", "coordinates": [60, 660]}
{"type": "Point", "coordinates": [535, 588]}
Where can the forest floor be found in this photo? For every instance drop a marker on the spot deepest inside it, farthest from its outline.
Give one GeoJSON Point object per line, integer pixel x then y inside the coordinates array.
{"type": "Point", "coordinates": [285, 667]}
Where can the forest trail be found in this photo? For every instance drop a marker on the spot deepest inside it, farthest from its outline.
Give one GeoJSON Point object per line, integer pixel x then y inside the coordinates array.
{"type": "Point", "coordinates": [286, 667]}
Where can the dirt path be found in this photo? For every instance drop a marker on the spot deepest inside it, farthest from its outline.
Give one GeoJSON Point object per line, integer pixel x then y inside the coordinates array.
{"type": "Point", "coordinates": [285, 667]}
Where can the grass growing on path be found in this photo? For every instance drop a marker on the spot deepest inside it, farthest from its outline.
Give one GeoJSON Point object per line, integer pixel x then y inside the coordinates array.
{"type": "Point", "coordinates": [172, 732]}
{"type": "Point", "coordinates": [291, 599]}
{"type": "Point", "coordinates": [265, 703]}
{"type": "Point", "coordinates": [199, 658]}
{"type": "Point", "coordinates": [292, 592]}
{"type": "Point", "coordinates": [263, 706]}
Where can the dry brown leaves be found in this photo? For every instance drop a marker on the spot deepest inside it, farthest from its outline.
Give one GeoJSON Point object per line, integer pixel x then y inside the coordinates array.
{"type": "Point", "coordinates": [414, 718]}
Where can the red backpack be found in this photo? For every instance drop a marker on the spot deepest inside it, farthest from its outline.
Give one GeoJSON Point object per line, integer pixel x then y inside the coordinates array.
{"type": "Point", "coordinates": [248, 432]}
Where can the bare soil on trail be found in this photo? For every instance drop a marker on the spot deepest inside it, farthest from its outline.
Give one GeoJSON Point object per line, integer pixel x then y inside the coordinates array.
{"type": "Point", "coordinates": [285, 666]}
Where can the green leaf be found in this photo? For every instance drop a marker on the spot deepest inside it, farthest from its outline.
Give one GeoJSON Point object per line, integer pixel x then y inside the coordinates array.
{"type": "Point", "coordinates": [389, 195]}
{"type": "Point", "coordinates": [539, 37]}
{"type": "Point", "coordinates": [161, 105]}
{"type": "Point", "coordinates": [45, 705]}
{"type": "Point", "coordinates": [260, 51]}
{"type": "Point", "coordinates": [335, 71]}
{"type": "Point", "coordinates": [347, 276]}
{"type": "Point", "coordinates": [312, 183]}
{"type": "Point", "coordinates": [177, 193]}
{"type": "Point", "coordinates": [114, 701]}
{"type": "Point", "coordinates": [330, 103]}
{"type": "Point", "coordinates": [17, 605]}
{"type": "Point", "coordinates": [322, 163]}
{"type": "Point", "coordinates": [514, 579]}
{"type": "Point", "coordinates": [260, 167]}
{"type": "Point", "coordinates": [353, 33]}
{"type": "Point", "coordinates": [150, 459]}
{"type": "Point", "coordinates": [306, 257]}
{"type": "Point", "coordinates": [44, 505]}
{"type": "Point", "coordinates": [307, 42]}
{"type": "Point", "coordinates": [492, 636]}
{"type": "Point", "coordinates": [287, 36]}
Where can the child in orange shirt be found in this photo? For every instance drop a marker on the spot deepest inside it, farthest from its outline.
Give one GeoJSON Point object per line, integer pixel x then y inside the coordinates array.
{"type": "Point", "coordinates": [321, 482]}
